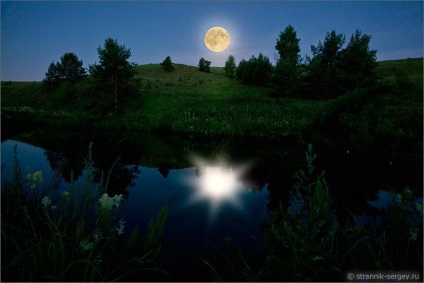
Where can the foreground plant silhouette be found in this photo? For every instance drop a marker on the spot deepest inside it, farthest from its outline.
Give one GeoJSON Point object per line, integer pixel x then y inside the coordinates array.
{"type": "Point", "coordinates": [308, 242]}
{"type": "Point", "coordinates": [302, 240]}
{"type": "Point", "coordinates": [71, 236]}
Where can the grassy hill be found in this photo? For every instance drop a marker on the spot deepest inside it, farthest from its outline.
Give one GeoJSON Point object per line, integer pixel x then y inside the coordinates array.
{"type": "Point", "coordinates": [190, 101]}
{"type": "Point", "coordinates": [411, 67]}
{"type": "Point", "coordinates": [193, 102]}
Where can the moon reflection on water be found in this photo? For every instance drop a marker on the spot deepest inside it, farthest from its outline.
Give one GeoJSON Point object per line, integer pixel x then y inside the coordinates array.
{"type": "Point", "coordinates": [218, 184]}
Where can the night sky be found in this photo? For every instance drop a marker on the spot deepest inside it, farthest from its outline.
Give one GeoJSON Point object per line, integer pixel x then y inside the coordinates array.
{"type": "Point", "coordinates": [33, 34]}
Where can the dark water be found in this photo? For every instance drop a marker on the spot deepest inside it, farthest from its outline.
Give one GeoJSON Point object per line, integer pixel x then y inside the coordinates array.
{"type": "Point", "coordinates": [153, 170]}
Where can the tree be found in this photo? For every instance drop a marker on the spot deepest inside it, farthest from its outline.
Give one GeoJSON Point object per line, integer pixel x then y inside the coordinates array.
{"type": "Point", "coordinates": [288, 64]}
{"type": "Point", "coordinates": [358, 62]}
{"type": "Point", "coordinates": [324, 74]}
{"type": "Point", "coordinates": [113, 77]}
{"type": "Point", "coordinates": [242, 70]}
{"type": "Point", "coordinates": [71, 68]}
{"type": "Point", "coordinates": [230, 67]}
{"type": "Point", "coordinates": [53, 74]}
{"type": "Point", "coordinates": [167, 64]}
{"type": "Point", "coordinates": [204, 65]}
{"type": "Point", "coordinates": [256, 71]}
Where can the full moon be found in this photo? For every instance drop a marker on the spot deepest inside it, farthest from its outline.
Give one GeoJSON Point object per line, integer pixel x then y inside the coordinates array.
{"type": "Point", "coordinates": [217, 39]}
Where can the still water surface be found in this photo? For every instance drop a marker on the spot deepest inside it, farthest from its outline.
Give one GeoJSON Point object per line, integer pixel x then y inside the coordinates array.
{"type": "Point", "coordinates": [214, 188]}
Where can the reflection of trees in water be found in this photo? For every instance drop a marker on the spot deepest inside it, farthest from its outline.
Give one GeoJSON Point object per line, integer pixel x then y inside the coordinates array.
{"type": "Point", "coordinates": [347, 189]}
{"type": "Point", "coordinates": [279, 185]}
{"type": "Point", "coordinates": [352, 182]}
{"type": "Point", "coordinates": [163, 171]}
{"type": "Point", "coordinates": [254, 178]}
{"type": "Point", "coordinates": [115, 158]}
{"type": "Point", "coordinates": [276, 179]}
{"type": "Point", "coordinates": [121, 177]}
{"type": "Point", "coordinates": [64, 165]}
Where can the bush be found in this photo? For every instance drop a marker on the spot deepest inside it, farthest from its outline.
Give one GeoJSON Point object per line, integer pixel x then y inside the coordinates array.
{"type": "Point", "coordinates": [204, 65]}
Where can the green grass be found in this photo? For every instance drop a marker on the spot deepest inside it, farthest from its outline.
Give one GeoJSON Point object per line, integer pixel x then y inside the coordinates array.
{"type": "Point", "coordinates": [413, 67]}
{"type": "Point", "coordinates": [193, 102]}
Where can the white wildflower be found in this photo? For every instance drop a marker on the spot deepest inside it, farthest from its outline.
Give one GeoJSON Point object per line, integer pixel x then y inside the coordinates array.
{"type": "Point", "coordinates": [108, 203]}
{"type": "Point", "coordinates": [46, 201]}
{"type": "Point", "coordinates": [121, 227]}
{"type": "Point", "coordinates": [37, 176]}
{"type": "Point", "coordinates": [97, 235]}
{"type": "Point", "coordinates": [98, 260]}
{"type": "Point", "coordinates": [413, 234]}
{"type": "Point", "coordinates": [85, 245]}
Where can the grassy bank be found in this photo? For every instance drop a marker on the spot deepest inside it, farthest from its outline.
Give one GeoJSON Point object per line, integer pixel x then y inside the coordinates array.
{"type": "Point", "coordinates": [193, 102]}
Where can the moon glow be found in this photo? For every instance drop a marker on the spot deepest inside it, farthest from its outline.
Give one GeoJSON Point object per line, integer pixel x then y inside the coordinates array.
{"type": "Point", "coordinates": [217, 39]}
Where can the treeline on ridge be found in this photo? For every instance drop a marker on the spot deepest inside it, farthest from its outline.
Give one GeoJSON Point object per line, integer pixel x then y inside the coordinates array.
{"type": "Point", "coordinates": [332, 70]}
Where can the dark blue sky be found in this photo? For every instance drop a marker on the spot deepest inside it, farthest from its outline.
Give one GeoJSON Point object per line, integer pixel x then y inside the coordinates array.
{"type": "Point", "coordinates": [33, 34]}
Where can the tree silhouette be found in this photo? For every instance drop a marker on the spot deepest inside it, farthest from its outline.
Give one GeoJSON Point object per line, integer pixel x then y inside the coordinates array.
{"type": "Point", "coordinates": [64, 165]}
{"type": "Point", "coordinates": [256, 71]}
{"type": "Point", "coordinates": [288, 64]}
{"type": "Point", "coordinates": [358, 62]}
{"type": "Point", "coordinates": [204, 65]}
{"type": "Point", "coordinates": [324, 74]}
{"type": "Point", "coordinates": [230, 67]}
{"type": "Point", "coordinates": [167, 64]}
{"type": "Point", "coordinates": [113, 78]}
{"type": "Point", "coordinates": [69, 69]}
{"type": "Point", "coordinates": [164, 172]}
{"type": "Point", "coordinates": [53, 74]}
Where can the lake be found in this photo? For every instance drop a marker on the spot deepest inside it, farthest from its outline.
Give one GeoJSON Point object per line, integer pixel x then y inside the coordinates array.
{"type": "Point", "coordinates": [215, 188]}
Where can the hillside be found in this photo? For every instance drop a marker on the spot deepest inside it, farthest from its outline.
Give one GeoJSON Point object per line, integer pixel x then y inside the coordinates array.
{"type": "Point", "coordinates": [188, 79]}
{"type": "Point", "coordinates": [411, 67]}
{"type": "Point", "coordinates": [193, 102]}
{"type": "Point", "coordinates": [190, 101]}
